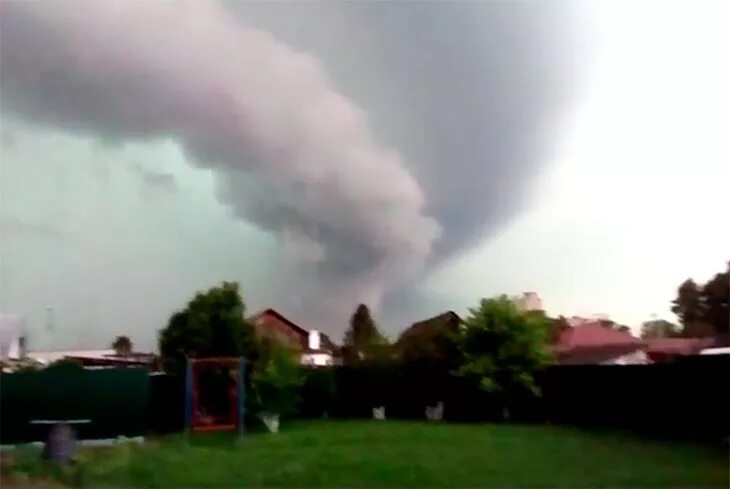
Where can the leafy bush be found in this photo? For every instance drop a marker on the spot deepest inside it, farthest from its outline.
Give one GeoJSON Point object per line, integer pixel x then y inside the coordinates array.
{"type": "Point", "coordinates": [277, 379]}
{"type": "Point", "coordinates": [503, 348]}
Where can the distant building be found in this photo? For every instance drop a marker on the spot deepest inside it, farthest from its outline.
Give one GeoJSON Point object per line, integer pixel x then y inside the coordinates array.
{"type": "Point", "coordinates": [316, 347]}
{"type": "Point", "coordinates": [97, 358]}
{"type": "Point", "coordinates": [529, 301]}
{"type": "Point", "coordinates": [49, 356]}
{"type": "Point", "coordinates": [594, 343]}
{"type": "Point", "coordinates": [663, 350]}
{"type": "Point", "coordinates": [428, 335]}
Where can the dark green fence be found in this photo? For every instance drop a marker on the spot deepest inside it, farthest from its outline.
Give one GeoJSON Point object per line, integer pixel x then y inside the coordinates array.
{"type": "Point", "coordinates": [115, 400]}
{"type": "Point", "coordinates": [685, 399]}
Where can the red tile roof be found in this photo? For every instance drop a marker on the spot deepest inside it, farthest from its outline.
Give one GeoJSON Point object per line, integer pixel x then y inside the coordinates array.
{"type": "Point", "coordinates": [593, 342]}
{"type": "Point", "coordinates": [594, 334]}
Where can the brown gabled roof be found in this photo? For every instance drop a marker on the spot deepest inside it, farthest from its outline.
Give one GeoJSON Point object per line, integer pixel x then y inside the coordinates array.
{"type": "Point", "coordinates": [447, 319]}
{"type": "Point", "coordinates": [325, 341]}
{"type": "Point", "coordinates": [431, 327]}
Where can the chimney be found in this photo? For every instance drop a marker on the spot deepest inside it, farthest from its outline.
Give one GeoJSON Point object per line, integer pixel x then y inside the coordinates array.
{"type": "Point", "coordinates": [314, 340]}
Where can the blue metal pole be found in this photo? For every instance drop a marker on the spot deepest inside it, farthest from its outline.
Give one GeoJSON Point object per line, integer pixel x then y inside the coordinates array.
{"type": "Point", "coordinates": [188, 394]}
{"type": "Point", "coordinates": [241, 393]}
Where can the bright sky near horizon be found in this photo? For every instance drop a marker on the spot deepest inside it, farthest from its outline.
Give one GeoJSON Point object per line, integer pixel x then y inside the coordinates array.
{"type": "Point", "coordinates": [636, 199]}
{"type": "Point", "coordinates": [116, 222]}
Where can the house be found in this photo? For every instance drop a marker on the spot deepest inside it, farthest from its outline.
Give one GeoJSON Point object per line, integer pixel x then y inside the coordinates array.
{"type": "Point", "coordinates": [447, 320]}
{"type": "Point", "coordinates": [428, 339]}
{"type": "Point", "coordinates": [662, 350]}
{"type": "Point", "coordinates": [150, 361]}
{"type": "Point", "coordinates": [316, 347]}
{"type": "Point", "coordinates": [46, 357]}
{"type": "Point", "coordinates": [596, 343]}
{"type": "Point", "coordinates": [97, 358]}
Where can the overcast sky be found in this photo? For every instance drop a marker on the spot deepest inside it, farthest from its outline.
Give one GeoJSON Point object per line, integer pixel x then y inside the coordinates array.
{"type": "Point", "coordinates": [413, 156]}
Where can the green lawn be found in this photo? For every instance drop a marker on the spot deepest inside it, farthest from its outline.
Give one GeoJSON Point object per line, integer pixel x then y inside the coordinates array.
{"type": "Point", "coordinates": [391, 454]}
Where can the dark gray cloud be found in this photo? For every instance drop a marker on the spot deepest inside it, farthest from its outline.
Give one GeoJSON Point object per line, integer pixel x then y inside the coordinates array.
{"type": "Point", "coordinates": [469, 92]}
{"type": "Point", "coordinates": [270, 112]}
{"type": "Point", "coordinates": [436, 116]}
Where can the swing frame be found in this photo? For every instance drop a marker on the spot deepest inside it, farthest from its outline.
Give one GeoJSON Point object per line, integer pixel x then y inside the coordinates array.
{"type": "Point", "coordinates": [194, 366]}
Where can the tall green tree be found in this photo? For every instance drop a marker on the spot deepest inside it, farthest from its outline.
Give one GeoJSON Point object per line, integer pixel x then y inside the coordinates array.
{"type": "Point", "coordinates": [277, 378]}
{"type": "Point", "coordinates": [122, 345]}
{"type": "Point", "coordinates": [715, 296]}
{"type": "Point", "coordinates": [363, 340]}
{"type": "Point", "coordinates": [611, 324]}
{"type": "Point", "coordinates": [212, 324]}
{"type": "Point", "coordinates": [688, 305]}
{"type": "Point", "coordinates": [659, 328]}
{"type": "Point", "coordinates": [503, 348]}
{"type": "Point", "coordinates": [703, 310]}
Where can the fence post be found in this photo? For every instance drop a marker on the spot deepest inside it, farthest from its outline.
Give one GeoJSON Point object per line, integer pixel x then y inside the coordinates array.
{"type": "Point", "coordinates": [188, 394]}
{"type": "Point", "coordinates": [241, 393]}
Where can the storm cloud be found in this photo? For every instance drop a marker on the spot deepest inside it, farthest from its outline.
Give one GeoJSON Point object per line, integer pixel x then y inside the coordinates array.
{"type": "Point", "coordinates": [367, 180]}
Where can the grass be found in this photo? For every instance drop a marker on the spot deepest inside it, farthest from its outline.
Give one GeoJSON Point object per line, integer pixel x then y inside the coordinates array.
{"type": "Point", "coordinates": [387, 454]}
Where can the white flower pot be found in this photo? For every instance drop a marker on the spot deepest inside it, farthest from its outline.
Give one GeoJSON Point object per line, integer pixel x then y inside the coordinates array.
{"type": "Point", "coordinates": [271, 421]}
{"type": "Point", "coordinates": [435, 413]}
{"type": "Point", "coordinates": [379, 412]}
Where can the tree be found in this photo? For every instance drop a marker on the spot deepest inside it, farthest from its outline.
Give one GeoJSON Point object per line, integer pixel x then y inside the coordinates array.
{"type": "Point", "coordinates": [715, 296]}
{"type": "Point", "coordinates": [703, 309]}
{"type": "Point", "coordinates": [277, 379]}
{"type": "Point", "coordinates": [659, 328]}
{"type": "Point", "coordinates": [64, 364]}
{"type": "Point", "coordinates": [122, 345]}
{"type": "Point", "coordinates": [212, 324]}
{"type": "Point", "coordinates": [688, 304]}
{"type": "Point", "coordinates": [504, 348]}
{"type": "Point", "coordinates": [557, 327]}
{"type": "Point", "coordinates": [363, 341]}
{"type": "Point", "coordinates": [611, 324]}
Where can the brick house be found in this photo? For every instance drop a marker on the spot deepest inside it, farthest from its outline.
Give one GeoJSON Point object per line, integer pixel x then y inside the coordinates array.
{"type": "Point", "coordinates": [316, 347]}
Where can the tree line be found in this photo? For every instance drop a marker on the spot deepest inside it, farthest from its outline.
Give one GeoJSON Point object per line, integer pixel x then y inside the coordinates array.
{"type": "Point", "coordinates": [499, 346]}
{"type": "Point", "coordinates": [703, 309]}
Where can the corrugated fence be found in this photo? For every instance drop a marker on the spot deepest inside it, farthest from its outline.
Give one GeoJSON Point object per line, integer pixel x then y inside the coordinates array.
{"type": "Point", "coordinates": [685, 399]}
{"type": "Point", "coordinates": [114, 400]}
